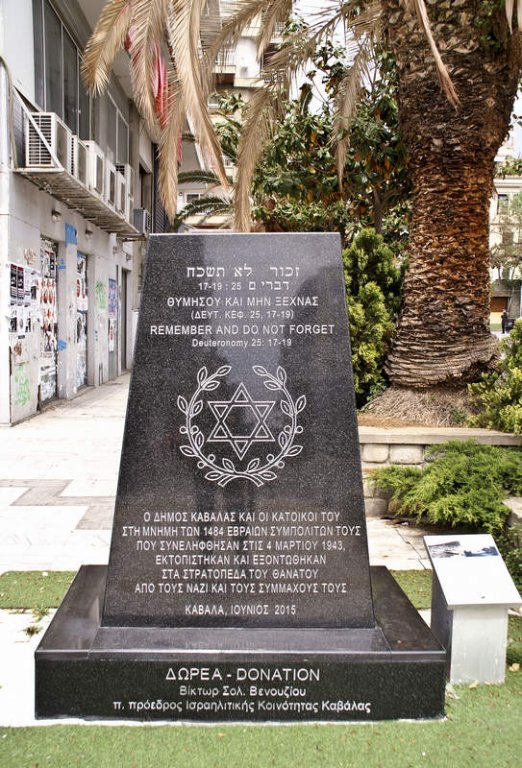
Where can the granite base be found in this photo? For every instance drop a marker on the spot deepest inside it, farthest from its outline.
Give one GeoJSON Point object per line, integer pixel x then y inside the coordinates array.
{"type": "Point", "coordinates": [83, 669]}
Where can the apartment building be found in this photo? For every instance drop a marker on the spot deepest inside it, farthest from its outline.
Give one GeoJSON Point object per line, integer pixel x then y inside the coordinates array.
{"type": "Point", "coordinates": [237, 73]}
{"type": "Point", "coordinates": [76, 196]}
{"type": "Point", "coordinates": [506, 249]}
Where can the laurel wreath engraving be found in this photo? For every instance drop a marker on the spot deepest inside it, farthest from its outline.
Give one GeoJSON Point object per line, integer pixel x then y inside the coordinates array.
{"type": "Point", "coordinates": [255, 472]}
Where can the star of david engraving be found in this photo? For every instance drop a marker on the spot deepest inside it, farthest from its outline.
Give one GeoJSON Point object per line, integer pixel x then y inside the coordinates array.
{"type": "Point", "coordinates": [241, 421]}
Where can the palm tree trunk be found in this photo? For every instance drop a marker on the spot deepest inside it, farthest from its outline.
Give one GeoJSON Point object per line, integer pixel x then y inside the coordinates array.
{"type": "Point", "coordinates": [443, 334]}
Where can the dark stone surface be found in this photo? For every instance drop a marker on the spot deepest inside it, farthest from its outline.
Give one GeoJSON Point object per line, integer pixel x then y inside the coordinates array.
{"type": "Point", "coordinates": [238, 586]}
{"type": "Point", "coordinates": [396, 670]}
{"type": "Point", "coordinates": [231, 525]}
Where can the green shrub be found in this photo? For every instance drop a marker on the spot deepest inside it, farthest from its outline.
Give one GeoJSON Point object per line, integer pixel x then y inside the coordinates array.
{"type": "Point", "coordinates": [498, 395]}
{"type": "Point", "coordinates": [510, 547]}
{"type": "Point", "coordinates": [514, 645]}
{"type": "Point", "coordinates": [463, 485]}
{"type": "Point", "coordinates": [373, 283]}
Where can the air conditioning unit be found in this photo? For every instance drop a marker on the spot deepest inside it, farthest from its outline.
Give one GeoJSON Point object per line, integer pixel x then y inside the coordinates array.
{"type": "Point", "coordinates": [79, 161]}
{"type": "Point", "coordinates": [46, 135]}
{"type": "Point", "coordinates": [141, 220]}
{"type": "Point", "coordinates": [127, 171]}
{"type": "Point", "coordinates": [110, 184]}
{"type": "Point", "coordinates": [122, 198]}
{"type": "Point", "coordinates": [96, 168]}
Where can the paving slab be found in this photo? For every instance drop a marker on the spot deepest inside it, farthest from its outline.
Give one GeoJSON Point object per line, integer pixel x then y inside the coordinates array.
{"type": "Point", "coordinates": [67, 458]}
{"type": "Point", "coordinates": [58, 476]}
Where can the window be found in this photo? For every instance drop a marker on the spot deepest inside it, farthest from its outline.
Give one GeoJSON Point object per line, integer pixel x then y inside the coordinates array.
{"type": "Point", "coordinates": [53, 61]}
{"type": "Point", "coordinates": [111, 130]}
{"type": "Point", "coordinates": [122, 149]}
{"type": "Point", "coordinates": [70, 83]}
{"type": "Point", "coordinates": [503, 203]}
{"type": "Point", "coordinates": [58, 85]}
{"type": "Point", "coordinates": [145, 184]}
{"type": "Point", "coordinates": [508, 237]}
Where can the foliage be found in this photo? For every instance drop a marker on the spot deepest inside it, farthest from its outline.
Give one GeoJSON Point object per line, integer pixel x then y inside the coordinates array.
{"type": "Point", "coordinates": [376, 177]}
{"type": "Point", "coordinates": [510, 547]}
{"type": "Point", "coordinates": [296, 185]}
{"type": "Point", "coordinates": [463, 485]}
{"type": "Point", "coordinates": [297, 180]}
{"type": "Point", "coordinates": [373, 283]}
{"type": "Point", "coordinates": [486, 22]}
{"type": "Point", "coordinates": [512, 166]}
{"type": "Point", "coordinates": [498, 395]}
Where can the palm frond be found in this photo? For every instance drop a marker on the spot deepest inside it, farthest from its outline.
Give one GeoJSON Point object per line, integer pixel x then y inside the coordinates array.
{"type": "Point", "coordinates": [107, 39]}
{"type": "Point", "coordinates": [204, 177]}
{"type": "Point", "coordinates": [169, 139]}
{"type": "Point", "coordinates": [347, 103]}
{"type": "Point", "coordinates": [443, 75]}
{"type": "Point", "coordinates": [146, 32]}
{"type": "Point", "coordinates": [242, 14]}
{"type": "Point", "coordinates": [204, 208]}
{"type": "Point", "coordinates": [275, 12]}
{"type": "Point", "coordinates": [261, 112]}
{"type": "Point", "coordinates": [299, 47]}
{"type": "Point", "coordinates": [184, 17]}
{"type": "Point", "coordinates": [509, 7]}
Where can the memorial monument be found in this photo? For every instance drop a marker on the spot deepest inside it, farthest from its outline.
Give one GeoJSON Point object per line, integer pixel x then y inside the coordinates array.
{"type": "Point", "coordinates": [238, 585]}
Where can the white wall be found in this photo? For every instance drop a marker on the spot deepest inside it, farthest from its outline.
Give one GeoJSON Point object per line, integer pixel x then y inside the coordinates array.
{"type": "Point", "coordinates": [30, 217]}
{"type": "Point", "coordinates": [16, 43]}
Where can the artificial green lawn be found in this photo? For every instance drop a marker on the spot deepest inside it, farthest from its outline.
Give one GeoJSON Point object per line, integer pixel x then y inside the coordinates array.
{"type": "Point", "coordinates": [34, 590]}
{"type": "Point", "coordinates": [483, 727]}
{"type": "Point", "coordinates": [482, 730]}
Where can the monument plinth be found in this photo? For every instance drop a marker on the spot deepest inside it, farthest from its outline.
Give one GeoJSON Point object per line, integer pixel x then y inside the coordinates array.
{"type": "Point", "coordinates": [238, 585]}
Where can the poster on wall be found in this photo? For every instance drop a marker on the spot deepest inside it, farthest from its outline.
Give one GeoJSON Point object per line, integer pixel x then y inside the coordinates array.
{"type": "Point", "coordinates": [20, 285]}
{"type": "Point", "coordinates": [13, 292]}
{"type": "Point", "coordinates": [113, 298]}
{"type": "Point", "coordinates": [112, 334]}
{"type": "Point", "coordinates": [82, 306]}
{"type": "Point", "coordinates": [48, 308]}
{"type": "Point", "coordinates": [49, 320]}
{"type": "Point", "coordinates": [23, 300]}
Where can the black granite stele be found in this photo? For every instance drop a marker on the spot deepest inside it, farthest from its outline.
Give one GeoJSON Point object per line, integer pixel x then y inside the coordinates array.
{"type": "Point", "coordinates": [238, 586]}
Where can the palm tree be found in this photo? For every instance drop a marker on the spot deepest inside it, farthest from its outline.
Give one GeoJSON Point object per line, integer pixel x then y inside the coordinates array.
{"type": "Point", "coordinates": [458, 67]}
{"type": "Point", "coordinates": [443, 333]}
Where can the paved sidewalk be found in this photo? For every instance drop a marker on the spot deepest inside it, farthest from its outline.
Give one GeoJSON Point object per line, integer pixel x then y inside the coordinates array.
{"type": "Point", "coordinates": [58, 477]}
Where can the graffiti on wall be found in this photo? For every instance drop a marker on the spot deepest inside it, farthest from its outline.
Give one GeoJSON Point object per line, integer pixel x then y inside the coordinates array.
{"type": "Point", "coordinates": [100, 295]}
{"type": "Point", "coordinates": [22, 392]}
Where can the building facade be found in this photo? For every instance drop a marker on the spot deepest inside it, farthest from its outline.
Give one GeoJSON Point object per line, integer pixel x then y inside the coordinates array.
{"type": "Point", "coordinates": [506, 250]}
{"type": "Point", "coordinates": [76, 198]}
{"type": "Point", "coordinates": [237, 73]}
